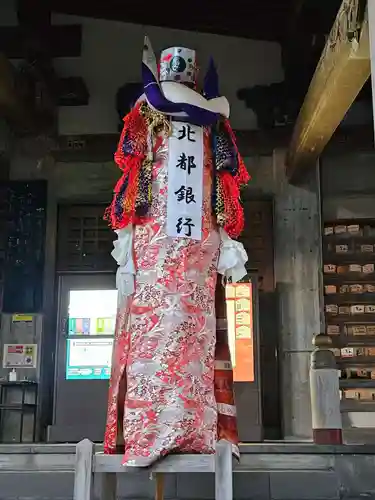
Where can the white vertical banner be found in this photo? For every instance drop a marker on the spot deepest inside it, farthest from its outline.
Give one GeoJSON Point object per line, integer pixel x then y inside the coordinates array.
{"type": "Point", "coordinates": [185, 181]}
{"type": "Point", "coordinates": [371, 26]}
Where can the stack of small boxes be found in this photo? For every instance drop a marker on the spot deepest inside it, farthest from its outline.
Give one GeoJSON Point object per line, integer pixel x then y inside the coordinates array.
{"type": "Point", "coordinates": [349, 289]}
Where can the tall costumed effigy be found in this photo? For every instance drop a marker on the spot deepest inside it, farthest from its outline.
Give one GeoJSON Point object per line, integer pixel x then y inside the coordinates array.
{"type": "Point", "coordinates": [175, 210]}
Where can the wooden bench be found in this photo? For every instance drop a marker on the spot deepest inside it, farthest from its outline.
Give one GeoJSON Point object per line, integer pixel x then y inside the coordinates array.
{"type": "Point", "coordinates": [89, 463]}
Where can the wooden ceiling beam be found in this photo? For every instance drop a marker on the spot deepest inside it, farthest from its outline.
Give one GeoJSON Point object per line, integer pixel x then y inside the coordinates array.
{"type": "Point", "coordinates": [343, 69]}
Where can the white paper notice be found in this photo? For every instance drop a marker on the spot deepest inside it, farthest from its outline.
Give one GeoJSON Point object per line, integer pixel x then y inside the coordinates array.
{"type": "Point", "coordinates": [20, 355]}
{"type": "Point", "coordinates": [185, 181]}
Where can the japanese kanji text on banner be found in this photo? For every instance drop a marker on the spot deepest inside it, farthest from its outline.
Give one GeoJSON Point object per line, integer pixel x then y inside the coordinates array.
{"type": "Point", "coordinates": [185, 181]}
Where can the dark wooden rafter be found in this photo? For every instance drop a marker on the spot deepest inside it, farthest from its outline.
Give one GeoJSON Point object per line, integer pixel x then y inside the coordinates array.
{"type": "Point", "coordinates": [11, 106]}
{"type": "Point", "coordinates": [36, 34]}
{"type": "Point", "coordinates": [309, 23]}
{"type": "Point", "coordinates": [63, 41]}
{"type": "Point", "coordinates": [34, 25]}
{"type": "Point", "coordinates": [253, 19]}
{"type": "Point", "coordinates": [318, 16]}
{"type": "Point", "coordinates": [279, 103]}
{"type": "Point", "coordinates": [29, 94]}
{"type": "Point", "coordinates": [34, 20]}
{"type": "Point", "coordinates": [343, 69]}
{"type": "Point", "coordinates": [296, 9]}
{"type": "Point", "coordinates": [241, 18]}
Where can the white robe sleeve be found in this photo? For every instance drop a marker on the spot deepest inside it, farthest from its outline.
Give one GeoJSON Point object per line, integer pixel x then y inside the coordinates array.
{"type": "Point", "coordinates": [123, 254]}
{"type": "Point", "coordinates": [232, 259]}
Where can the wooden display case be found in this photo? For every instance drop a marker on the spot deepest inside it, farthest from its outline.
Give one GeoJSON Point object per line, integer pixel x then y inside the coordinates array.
{"type": "Point", "coordinates": [349, 305]}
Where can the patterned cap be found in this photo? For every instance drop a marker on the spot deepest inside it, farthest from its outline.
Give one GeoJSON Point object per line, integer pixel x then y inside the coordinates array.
{"type": "Point", "coordinates": [178, 64]}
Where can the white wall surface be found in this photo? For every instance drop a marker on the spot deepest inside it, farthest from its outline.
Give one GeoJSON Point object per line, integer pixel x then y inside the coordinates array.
{"type": "Point", "coordinates": [112, 55]}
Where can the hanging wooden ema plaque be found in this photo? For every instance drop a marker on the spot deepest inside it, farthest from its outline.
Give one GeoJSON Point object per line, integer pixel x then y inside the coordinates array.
{"type": "Point", "coordinates": [239, 303]}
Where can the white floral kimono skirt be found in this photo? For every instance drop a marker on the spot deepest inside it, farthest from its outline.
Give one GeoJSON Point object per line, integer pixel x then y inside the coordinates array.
{"type": "Point", "coordinates": [162, 393]}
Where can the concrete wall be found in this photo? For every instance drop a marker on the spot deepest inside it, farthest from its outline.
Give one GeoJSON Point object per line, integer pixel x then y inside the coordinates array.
{"type": "Point", "coordinates": [348, 185]}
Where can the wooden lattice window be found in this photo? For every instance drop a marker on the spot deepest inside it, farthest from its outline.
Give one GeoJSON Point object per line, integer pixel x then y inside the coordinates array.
{"type": "Point", "coordinates": [257, 238]}
{"type": "Point", "coordinates": [23, 206]}
{"type": "Point", "coordinates": [85, 241]}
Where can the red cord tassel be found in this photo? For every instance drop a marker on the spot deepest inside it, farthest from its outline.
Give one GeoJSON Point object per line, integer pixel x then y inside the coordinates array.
{"type": "Point", "coordinates": [131, 168]}
{"type": "Point", "coordinates": [134, 133]}
{"type": "Point", "coordinates": [233, 210]}
{"type": "Point", "coordinates": [134, 140]}
{"type": "Point", "coordinates": [243, 176]}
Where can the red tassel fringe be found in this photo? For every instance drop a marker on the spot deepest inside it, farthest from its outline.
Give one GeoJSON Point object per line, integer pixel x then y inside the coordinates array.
{"type": "Point", "coordinates": [235, 220]}
{"type": "Point", "coordinates": [234, 216]}
{"type": "Point", "coordinates": [131, 167]}
{"type": "Point", "coordinates": [243, 176]}
{"type": "Point", "coordinates": [134, 134]}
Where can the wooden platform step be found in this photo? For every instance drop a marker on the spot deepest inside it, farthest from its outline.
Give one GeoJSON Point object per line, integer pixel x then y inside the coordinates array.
{"type": "Point", "coordinates": [89, 463]}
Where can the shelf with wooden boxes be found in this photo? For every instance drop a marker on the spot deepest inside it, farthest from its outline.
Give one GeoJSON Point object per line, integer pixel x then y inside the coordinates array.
{"type": "Point", "coordinates": [357, 382]}
{"type": "Point", "coordinates": [349, 305]}
{"type": "Point", "coordinates": [358, 399]}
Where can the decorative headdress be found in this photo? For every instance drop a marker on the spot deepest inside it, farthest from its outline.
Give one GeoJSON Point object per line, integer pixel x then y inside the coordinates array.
{"type": "Point", "coordinates": [178, 64]}
{"type": "Point", "coordinates": [172, 98]}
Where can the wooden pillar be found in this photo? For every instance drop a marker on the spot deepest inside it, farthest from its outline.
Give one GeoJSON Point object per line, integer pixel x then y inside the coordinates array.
{"type": "Point", "coordinates": [84, 476]}
{"type": "Point", "coordinates": [223, 471]}
{"type": "Point", "coordinates": [325, 393]}
{"type": "Point", "coordinates": [159, 486]}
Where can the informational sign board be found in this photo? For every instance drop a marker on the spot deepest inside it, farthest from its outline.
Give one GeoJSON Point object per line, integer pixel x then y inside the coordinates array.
{"type": "Point", "coordinates": [89, 359]}
{"type": "Point", "coordinates": [92, 312]}
{"type": "Point", "coordinates": [239, 301]}
{"type": "Point", "coordinates": [20, 356]}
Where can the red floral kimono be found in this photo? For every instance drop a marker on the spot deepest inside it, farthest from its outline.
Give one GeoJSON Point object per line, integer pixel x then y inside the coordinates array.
{"type": "Point", "coordinates": [166, 394]}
